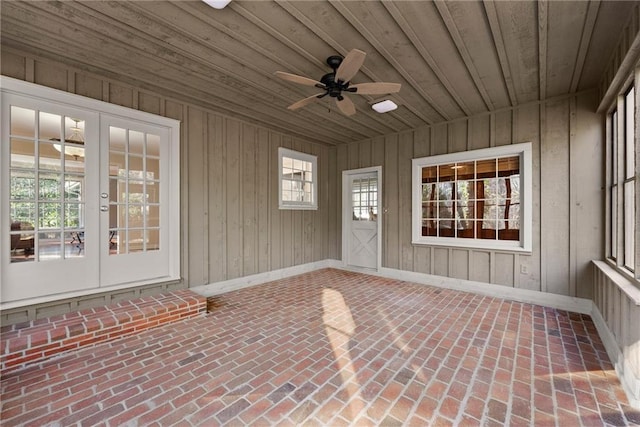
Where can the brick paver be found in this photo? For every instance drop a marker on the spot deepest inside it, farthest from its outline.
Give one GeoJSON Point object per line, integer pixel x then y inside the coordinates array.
{"type": "Point", "coordinates": [335, 348]}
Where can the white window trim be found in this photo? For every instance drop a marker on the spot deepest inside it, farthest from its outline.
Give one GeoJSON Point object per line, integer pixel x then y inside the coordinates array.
{"type": "Point", "coordinates": [313, 204]}
{"type": "Point", "coordinates": [524, 151]}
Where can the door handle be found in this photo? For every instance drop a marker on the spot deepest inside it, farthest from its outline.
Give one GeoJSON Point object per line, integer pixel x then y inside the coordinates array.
{"type": "Point", "coordinates": [104, 208]}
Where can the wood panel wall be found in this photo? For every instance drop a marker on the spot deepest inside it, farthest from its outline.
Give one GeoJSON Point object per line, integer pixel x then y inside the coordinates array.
{"type": "Point", "coordinates": [231, 223]}
{"type": "Point", "coordinates": [232, 226]}
{"type": "Point", "coordinates": [617, 301]}
{"type": "Point", "coordinates": [568, 199]}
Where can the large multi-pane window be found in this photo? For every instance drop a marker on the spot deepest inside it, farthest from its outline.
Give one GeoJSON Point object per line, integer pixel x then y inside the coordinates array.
{"type": "Point", "coordinates": [622, 181]}
{"type": "Point", "coordinates": [475, 198]}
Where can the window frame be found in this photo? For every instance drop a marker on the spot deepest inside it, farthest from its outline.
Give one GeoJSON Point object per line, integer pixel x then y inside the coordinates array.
{"type": "Point", "coordinates": [297, 155]}
{"type": "Point", "coordinates": [612, 185]}
{"type": "Point", "coordinates": [623, 192]}
{"type": "Point", "coordinates": [524, 152]}
{"type": "Point", "coordinates": [629, 181]}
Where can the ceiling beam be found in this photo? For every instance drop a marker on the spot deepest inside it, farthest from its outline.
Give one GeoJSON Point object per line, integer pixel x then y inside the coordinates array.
{"type": "Point", "coordinates": [543, 32]}
{"type": "Point", "coordinates": [368, 35]}
{"type": "Point", "coordinates": [585, 39]}
{"type": "Point", "coordinates": [26, 33]}
{"type": "Point", "coordinates": [498, 41]}
{"type": "Point", "coordinates": [441, 6]}
{"type": "Point", "coordinates": [245, 13]}
{"type": "Point", "coordinates": [424, 53]}
{"type": "Point", "coordinates": [341, 50]}
{"type": "Point", "coordinates": [356, 130]}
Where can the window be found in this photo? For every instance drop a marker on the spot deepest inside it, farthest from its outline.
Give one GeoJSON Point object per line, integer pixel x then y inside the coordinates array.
{"type": "Point", "coordinates": [621, 182]}
{"type": "Point", "coordinates": [629, 179]}
{"type": "Point", "coordinates": [613, 187]}
{"type": "Point", "coordinates": [298, 182]}
{"type": "Point", "coordinates": [622, 185]}
{"type": "Point", "coordinates": [479, 198]}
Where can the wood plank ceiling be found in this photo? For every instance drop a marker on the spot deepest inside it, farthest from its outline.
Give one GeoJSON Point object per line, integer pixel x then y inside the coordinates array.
{"type": "Point", "coordinates": [453, 58]}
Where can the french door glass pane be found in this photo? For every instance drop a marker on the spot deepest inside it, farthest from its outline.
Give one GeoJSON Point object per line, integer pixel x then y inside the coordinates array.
{"type": "Point", "coordinates": [45, 204]}
{"type": "Point", "coordinates": [50, 246]}
{"type": "Point", "coordinates": [134, 170]}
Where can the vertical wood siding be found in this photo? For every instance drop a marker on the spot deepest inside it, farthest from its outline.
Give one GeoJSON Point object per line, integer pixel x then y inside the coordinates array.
{"type": "Point", "coordinates": [231, 225]}
{"type": "Point", "coordinates": [567, 194]}
{"type": "Point", "coordinates": [618, 302]}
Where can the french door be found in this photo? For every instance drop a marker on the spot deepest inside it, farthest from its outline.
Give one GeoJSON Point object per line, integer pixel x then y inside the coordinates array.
{"type": "Point", "coordinates": [48, 151]}
{"type": "Point", "coordinates": [132, 212]}
{"type": "Point", "coordinates": [89, 195]}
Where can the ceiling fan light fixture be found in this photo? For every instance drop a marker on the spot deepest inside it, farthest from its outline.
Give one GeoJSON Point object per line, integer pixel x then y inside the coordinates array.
{"type": "Point", "coordinates": [217, 4]}
{"type": "Point", "coordinates": [384, 106]}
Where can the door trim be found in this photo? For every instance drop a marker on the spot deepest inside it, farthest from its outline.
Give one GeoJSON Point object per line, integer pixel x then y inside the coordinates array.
{"type": "Point", "coordinates": [346, 213]}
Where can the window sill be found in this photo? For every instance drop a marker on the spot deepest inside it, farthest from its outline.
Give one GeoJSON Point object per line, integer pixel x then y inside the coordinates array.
{"type": "Point", "coordinates": [298, 207]}
{"type": "Point", "coordinates": [623, 273]}
{"type": "Point", "coordinates": [502, 246]}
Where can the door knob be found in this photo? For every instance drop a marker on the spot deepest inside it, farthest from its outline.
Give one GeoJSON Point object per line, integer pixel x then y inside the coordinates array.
{"type": "Point", "coordinates": [104, 208]}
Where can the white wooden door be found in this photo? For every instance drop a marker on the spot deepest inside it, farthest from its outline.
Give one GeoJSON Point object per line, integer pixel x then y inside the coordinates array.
{"type": "Point", "coordinates": [49, 198]}
{"type": "Point", "coordinates": [134, 208]}
{"type": "Point", "coordinates": [361, 219]}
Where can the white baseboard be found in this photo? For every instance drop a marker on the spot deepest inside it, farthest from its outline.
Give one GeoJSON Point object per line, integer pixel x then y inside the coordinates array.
{"type": "Point", "coordinates": [630, 383]}
{"type": "Point", "coordinates": [578, 305]}
{"type": "Point", "coordinates": [221, 287]}
{"type": "Point", "coordinates": [562, 302]}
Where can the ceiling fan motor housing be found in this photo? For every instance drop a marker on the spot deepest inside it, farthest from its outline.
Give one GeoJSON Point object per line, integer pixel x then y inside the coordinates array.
{"type": "Point", "coordinates": [333, 87]}
{"type": "Point", "coordinates": [334, 61]}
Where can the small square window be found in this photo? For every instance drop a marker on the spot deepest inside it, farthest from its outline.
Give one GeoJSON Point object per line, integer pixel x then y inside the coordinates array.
{"type": "Point", "coordinates": [298, 180]}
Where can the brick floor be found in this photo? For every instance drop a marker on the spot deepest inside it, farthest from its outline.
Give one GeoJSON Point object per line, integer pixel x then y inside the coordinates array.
{"type": "Point", "coordinates": [335, 348]}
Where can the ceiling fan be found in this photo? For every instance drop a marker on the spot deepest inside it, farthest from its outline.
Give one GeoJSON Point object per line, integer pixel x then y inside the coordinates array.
{"type": "Point", "coordinates": [338, 82]}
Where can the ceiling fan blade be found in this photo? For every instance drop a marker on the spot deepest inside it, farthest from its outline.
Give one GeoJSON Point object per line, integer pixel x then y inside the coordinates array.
{"type": "Point", "coordinates": [296, 79]}
{"type": "Point", "coordinates": [346, 106]}
{"type": "Point", "coordinates": [378, 88]}
{"type": "Point", "coordinates": [350, 65]}
{"type": "Point", "coordinates": [304, 102]}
